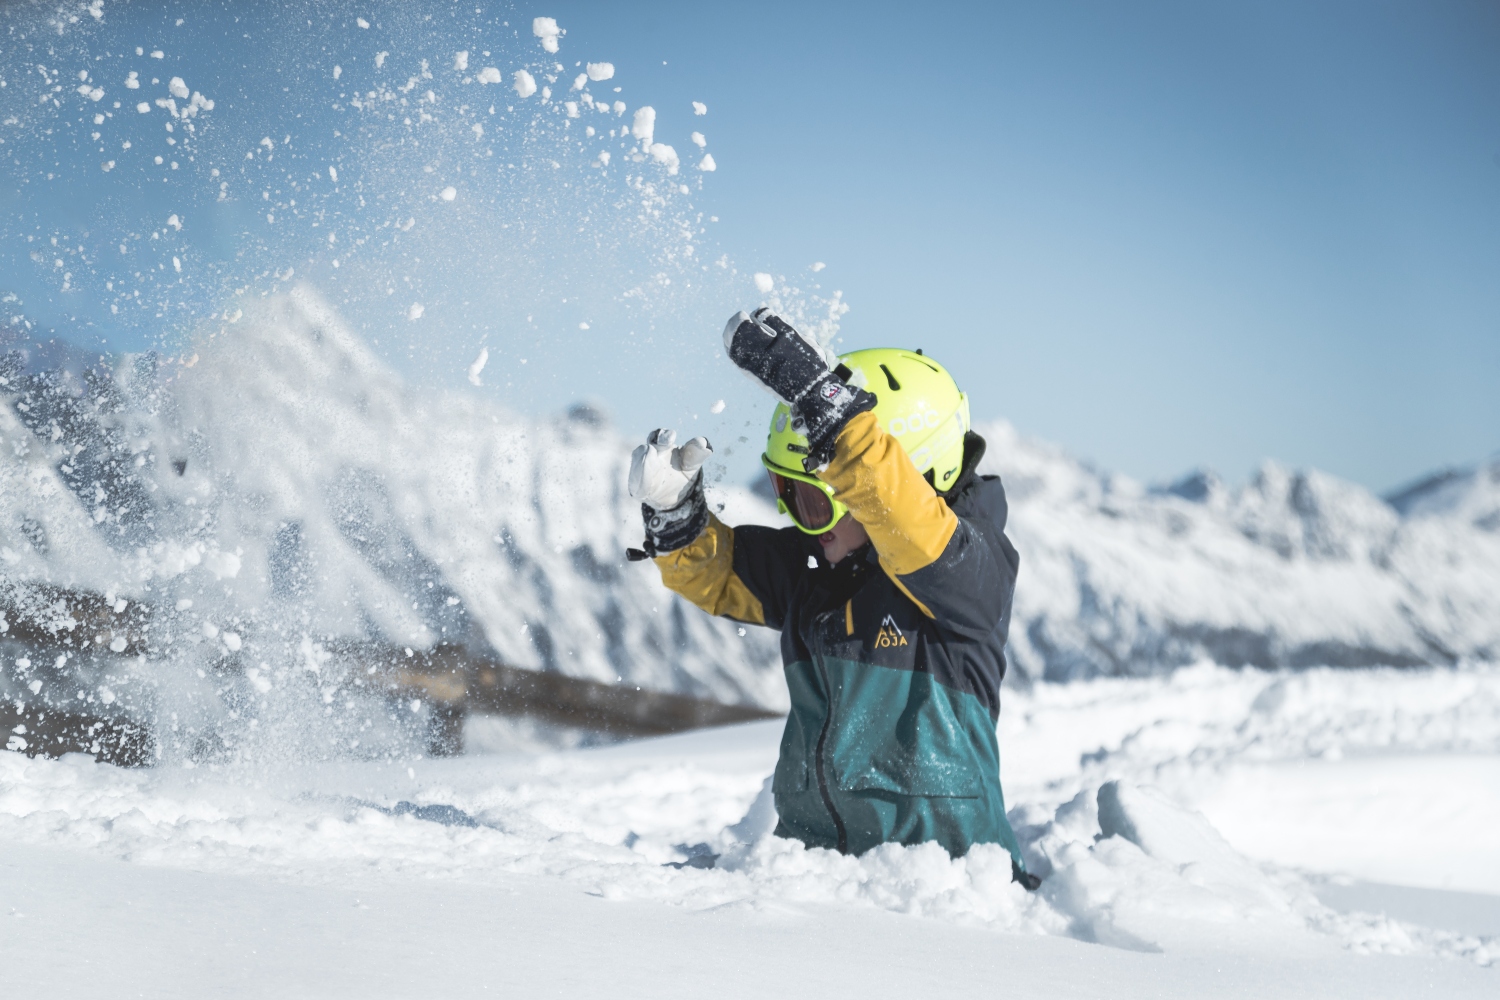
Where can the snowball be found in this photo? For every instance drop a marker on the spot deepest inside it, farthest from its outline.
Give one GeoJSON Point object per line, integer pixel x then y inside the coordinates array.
{"type": "Point", "coordinates": [699, 108]}
{"type": "Point", "coordinates": [461, 60]}
{"type": "Point", "coordinates": [525, 85]}
{"type": "Point", "coordinates": [448, 193]}
{"type": "Point", "coordinates": [698, 140]}
{"type": "Point", "coordinates": [665, 155]}
{"type": "Point", "coordinates": [415, 311]}
{"type": "Point", "coordinates": [600, 71]}
{"type": "Point", "coordinates": [644, 125]}
{"type": "Point", "coordinates": [547, 30]}
{"type": "Point", "coordinates": [764, 282]}
{"type": "Point", "coordinates": [707, 164]}
{"type": "Point", "coordinates": [178, 88]}
{"type": "Point", "coordinates": [478, 365]}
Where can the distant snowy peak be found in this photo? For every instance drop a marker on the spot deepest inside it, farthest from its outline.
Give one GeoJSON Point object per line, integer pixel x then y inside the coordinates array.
{"type": "Point", "coordinates": [1471, 495]}
{"type": "Point", "coordinates": [1291, 569]}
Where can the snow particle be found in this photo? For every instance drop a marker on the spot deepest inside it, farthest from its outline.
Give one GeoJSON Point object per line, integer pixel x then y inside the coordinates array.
{"type": "Point", "coordinates": [174, 222]}
{"type": "Point", "coordinates": [415, 311]}
{"type": "Point", "coordinates": [143, 108]}
{"type": "Point", "coordinates": [525, 85]}
{"type": "Point", "coordinates": [699, 108]}
{"type": "Point", "coordinates": [600, 71]}
{"type": "Point", "coordinates": [461, 60]}
{"type": "Point", "coordinates": [547, 30]}
{"type": "Point", "coordinates": [361, 22]}
{"type": "Point", "coordinates": [380, 59]}
{"type": "Point", "coordinates": [492, 75]}
{"type": "Point", "coordinates": [478, 365]}
{"type": "Point", "coordinates": [764, 282]}
{"type": "Point", "coordinates": [338, 71]}
{"type": "Point", "coordinates": [448, 193]}
{"type": "Point", "coordinates": [583, 326]}
{"type": "Point", "coordinates": [698, 140]}
{"type": "Point", "coordinates": [132, 82]}
{"type": "Point", "coordinates": [178, 88]}
{"type": "Point", "coordinates": [333, 174]}
{"type": "Point", "coordinates": [718, 407]}
{"type": "Point", "coordinates": [643, 127]}
{"type": "Point", "coordinates": [666, 156]}
{"type": "Point", "coordinates": [707, 164]}
{"type": "Point", "coordinates": [818, 266]}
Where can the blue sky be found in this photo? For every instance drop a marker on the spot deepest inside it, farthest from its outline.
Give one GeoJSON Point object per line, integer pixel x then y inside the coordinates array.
{"type": "Point", "coordinates": [1162, 235]}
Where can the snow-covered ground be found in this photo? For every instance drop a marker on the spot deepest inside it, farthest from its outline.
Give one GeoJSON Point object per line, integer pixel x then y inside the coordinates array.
{"type": "Point", "coordinates": [1188, 827]}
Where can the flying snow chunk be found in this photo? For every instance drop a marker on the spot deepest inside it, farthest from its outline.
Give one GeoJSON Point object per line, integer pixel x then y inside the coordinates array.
{"type": "Point", "coordinates": [380, 59]}
{"type": "Point", "coordinates": [666, 156]}
{"type": "Point", "coordinates": [478, 365]}
{"type": "Point", "coordinates": [699, 108]}
{"type": "Point", "coordinates": [580, 81]}
{"type": "Point", "coordinates": [818, 266]}
{"type": "Point", "coordinates": [525, 85]}
{"type": "Point", "coordinates": [604, 158]}
{"type": "Point", "coordinates": [178, 88]}
{"type": "Point", "coordinates": [92, 93]}
{"type": "Point", "coordinates": [177, 264]}
{"type": "Point", "coordinates": [643, 127]}
{"type": "Point", "coordinates": [158, 54]}
{"type": "Point", "coordinates": [764, 282]}
{"type": "Point", "coordinates": [718, 407]}
{"type": "Point", "coordinates": [618, 108]}
{"type": "Point", "coordinates": [143, 108]}
{"type": "Point", "coordinates": [333, 174]}
{"type": "Point", "coordinates": [707, 164]}
{"type": "Point", "coordinates": [415, 311]}
{"type": "Point", "coordinates": [600, 71]}
{"type": "Point", "coordinates": [338, 71]}
{"type": "Point", "coordinates": [492, 75]}
{"type": "Point", "coordinates": [132, 82]}
{"type": "Point", "coordinates": [174, 222]}
{"type": "Point", "coordinates": [461, 60]}
{"type": "Point", "coordinates": [448, 193]}
{"type": "Point", "coordinates": [547, 30]}
{"type": "Point", "coordinates": [361, 22]}
{"type": "Point", "coordinates": [698, 140]}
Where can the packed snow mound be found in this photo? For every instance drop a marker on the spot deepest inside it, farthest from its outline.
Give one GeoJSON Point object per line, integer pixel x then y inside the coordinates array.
{"type": "Point", "coordinates": [1129, 860]}
{"type": "Point", "coordinates": [1293, 569]}
{"type": "Point", "coordinates": [282, 482]}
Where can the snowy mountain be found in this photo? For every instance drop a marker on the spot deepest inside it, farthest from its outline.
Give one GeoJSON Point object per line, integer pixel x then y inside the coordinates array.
{"type": "Point", "coordinates": [282, 486]}
{"type": "Point", "coordinates": [1293, 569]}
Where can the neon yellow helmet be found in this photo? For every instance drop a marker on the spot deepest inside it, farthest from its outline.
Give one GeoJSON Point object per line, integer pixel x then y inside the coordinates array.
{"type": "Point", "coordinates": [918, 403]}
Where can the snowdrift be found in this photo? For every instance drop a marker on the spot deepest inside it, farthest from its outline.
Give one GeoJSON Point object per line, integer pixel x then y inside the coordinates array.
{"type": "Point", "coordinates": [279, 487]}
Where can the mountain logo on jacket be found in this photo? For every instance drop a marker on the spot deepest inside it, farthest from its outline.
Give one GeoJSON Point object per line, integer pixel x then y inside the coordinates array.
{"type": "Point", "coordinates": [889, 635]}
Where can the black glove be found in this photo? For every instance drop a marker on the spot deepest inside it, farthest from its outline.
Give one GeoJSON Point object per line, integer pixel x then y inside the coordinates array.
{"type": "Point", "coordinates": [767, 348]}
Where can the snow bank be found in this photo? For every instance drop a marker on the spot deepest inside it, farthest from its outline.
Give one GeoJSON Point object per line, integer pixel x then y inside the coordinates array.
{"type": "Point", "coordinates": [1127, 865]}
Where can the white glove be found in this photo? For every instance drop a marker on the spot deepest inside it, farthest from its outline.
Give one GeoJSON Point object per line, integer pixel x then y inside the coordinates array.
{"type": "Point", "coordinates": [663, 476]}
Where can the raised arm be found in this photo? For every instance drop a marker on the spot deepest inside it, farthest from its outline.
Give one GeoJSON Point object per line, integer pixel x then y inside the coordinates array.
{"type": "Point", "coordinates": [960, 571]}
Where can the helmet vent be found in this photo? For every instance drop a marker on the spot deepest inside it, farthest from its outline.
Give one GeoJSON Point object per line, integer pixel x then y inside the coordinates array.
{"type": "Point", "coordinates": [891, 379]}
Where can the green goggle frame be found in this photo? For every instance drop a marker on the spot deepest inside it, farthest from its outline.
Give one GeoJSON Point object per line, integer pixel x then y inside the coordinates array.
{"type": "Point", "coordinates": [785, 483]}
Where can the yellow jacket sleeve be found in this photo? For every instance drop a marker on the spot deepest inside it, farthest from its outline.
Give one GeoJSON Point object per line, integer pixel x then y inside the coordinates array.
{"type": "Point", "coordinates": [703, 572]}
{"type": "Point", "coordinates": [908, 523]}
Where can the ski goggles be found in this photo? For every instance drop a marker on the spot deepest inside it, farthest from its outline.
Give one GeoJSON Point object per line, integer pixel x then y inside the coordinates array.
{"type": "Point", "coordinates": [808, 501]}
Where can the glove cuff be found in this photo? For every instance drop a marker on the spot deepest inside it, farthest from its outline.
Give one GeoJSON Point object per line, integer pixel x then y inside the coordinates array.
{"type": "Point", "coordinates": [822, 412]}
{"type": "Point", "coordinates": [676, 527]}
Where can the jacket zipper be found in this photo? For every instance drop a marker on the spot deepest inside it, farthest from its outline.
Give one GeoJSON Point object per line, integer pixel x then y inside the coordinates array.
{"type": "Point", "coordinates": [838, 821]}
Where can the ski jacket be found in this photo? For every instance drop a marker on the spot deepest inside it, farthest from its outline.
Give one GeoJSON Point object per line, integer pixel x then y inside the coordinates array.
{"type": "Point", "coordinates": [893, 657]}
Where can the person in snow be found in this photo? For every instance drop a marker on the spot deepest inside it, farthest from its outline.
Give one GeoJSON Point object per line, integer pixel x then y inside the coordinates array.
{"type": "Point", "coordinates": [892, 591]}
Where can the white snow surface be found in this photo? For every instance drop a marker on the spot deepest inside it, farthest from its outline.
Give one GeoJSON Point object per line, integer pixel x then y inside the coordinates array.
{"type": "Point", "coordinates": [391, 865]}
